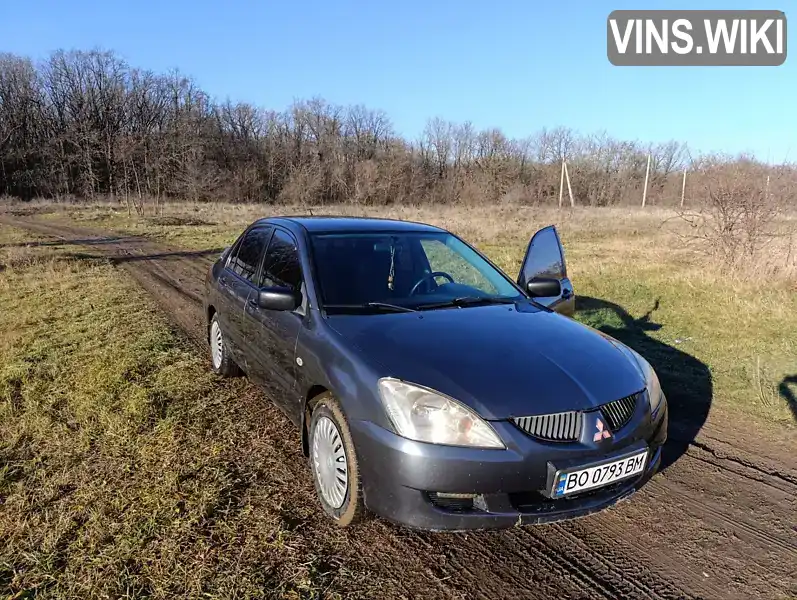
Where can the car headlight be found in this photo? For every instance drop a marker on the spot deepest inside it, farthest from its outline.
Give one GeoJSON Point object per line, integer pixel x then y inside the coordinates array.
{"type": "Point", "coordinates": [424, 415]}
{"type": "Point", "coordinates": [652, 384]}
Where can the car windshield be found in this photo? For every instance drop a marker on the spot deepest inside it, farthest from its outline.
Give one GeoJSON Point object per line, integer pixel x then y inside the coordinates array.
{"type": "Point", "coordinates": [399, 271]}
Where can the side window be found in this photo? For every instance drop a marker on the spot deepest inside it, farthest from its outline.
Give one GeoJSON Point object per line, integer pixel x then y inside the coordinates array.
{"type": "Point", "coordinates": [247, 257]}
{"type": "Point", "coordinates": [281, 266]}
{"type": "Point", "coordinates": [443, 258]}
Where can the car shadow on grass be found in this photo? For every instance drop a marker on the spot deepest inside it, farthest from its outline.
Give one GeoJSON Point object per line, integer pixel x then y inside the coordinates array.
{"type": "Point", "coordinates": [787, 389]}
{"type": "Point", "coordinates": [686, 381]}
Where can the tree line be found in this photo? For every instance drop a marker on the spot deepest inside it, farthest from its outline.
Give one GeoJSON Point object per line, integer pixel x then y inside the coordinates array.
{"type": "Point", "coordinates": [83, 124]}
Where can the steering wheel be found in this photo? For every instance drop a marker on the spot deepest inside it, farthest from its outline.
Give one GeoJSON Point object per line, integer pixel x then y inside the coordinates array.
{"type": "Point", "coordinates": [430, 276]}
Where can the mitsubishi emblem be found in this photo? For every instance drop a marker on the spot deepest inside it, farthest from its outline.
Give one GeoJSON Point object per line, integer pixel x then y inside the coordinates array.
{"type": "Point", "coordinates": [603, 433]}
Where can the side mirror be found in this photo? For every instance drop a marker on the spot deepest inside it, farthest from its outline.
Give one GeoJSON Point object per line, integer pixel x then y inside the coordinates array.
{"type": "Point", "coordinates": [541, 287]}
{"type": "Point", "coordinates": [278, 298]}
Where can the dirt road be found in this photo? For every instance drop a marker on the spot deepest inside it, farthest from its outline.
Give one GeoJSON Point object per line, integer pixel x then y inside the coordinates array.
{"type": "Point", "coordinates": [720, 522]}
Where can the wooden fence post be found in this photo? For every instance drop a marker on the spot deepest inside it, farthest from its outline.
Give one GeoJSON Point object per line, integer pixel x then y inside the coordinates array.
{"type": "Point", "coordinates": [569, 189]}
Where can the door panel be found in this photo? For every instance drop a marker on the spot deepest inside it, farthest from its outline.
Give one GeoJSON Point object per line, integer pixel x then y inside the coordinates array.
{"type": "Point", "coordinates": [545, 257]}
{"type": "Point", "coordinates": [229, 314]}
{"type": "Point", "coordinates": [271, 334]}
{"type": "Point", "coordinates": [236, 283]}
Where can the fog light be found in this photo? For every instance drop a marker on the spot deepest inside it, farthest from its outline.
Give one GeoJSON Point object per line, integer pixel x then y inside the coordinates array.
{"type": "Point", "coordinates": [457, 496]}
{"type": "Point", "coordinates": [452, 502]}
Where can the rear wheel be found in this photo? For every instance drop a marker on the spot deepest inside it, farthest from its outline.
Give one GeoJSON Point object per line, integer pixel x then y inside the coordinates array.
{"type": "Point", "coordinates": [220, 358]}
{"type": "Point", "coordinates": [333, 462]}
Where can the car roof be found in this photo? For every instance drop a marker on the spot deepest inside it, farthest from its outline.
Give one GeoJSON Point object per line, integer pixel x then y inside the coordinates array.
{"type": "Point", "coordinates": [342, 224]}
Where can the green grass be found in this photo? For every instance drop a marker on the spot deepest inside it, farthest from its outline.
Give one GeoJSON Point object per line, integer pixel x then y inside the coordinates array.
{"type": "Point", "coordinates": [126, 467]}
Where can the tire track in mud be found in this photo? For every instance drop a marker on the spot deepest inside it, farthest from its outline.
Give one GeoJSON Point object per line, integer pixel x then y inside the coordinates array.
{"type": "Point", "coordinates": [734, 519]}
{"type": "Point", "coordinates": [629, 580]}
{"type": "Point", "coordinates": [544, 574]}
{"type": "Point", "coordinates": [653, 546]}
{"type": "Point", "coordinates": [611, 542]}
{"type": "Point", "coordinates": [737, 523]}
{"type": "Point", "coordinates": [781, 480]}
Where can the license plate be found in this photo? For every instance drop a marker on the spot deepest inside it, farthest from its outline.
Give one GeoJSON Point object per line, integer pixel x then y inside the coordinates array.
{"type": "Point", "coordinates": [580, 480]}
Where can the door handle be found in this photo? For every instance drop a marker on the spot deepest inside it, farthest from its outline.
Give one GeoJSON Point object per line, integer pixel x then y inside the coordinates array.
{"type": "Point", "coordinates": [252, 302]}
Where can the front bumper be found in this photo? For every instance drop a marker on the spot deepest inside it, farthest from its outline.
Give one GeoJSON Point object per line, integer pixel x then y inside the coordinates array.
{"type": "Point", "coordinates": [401, 478]}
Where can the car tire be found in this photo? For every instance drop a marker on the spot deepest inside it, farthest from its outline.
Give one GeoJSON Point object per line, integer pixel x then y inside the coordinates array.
{"type": "Point", "coordinates": [220, 358]}
{"type": "Point", "coordinates": [332, 452]}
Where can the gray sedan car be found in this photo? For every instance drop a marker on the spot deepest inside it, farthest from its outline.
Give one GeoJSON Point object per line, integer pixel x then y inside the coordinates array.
{"type": "Point", "coordinates": [426, 385]}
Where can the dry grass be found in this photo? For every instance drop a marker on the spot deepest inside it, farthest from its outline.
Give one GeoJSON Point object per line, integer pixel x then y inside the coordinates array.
{"type": "Point", "coordinates": [128, 470]}
{"type": "Point", "coordinates": [659, 233]}
{"type": "Point", "coordinates": [742, 325]}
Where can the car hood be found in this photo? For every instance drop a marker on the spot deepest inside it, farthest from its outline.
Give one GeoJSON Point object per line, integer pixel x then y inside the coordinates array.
{"type": "Point", "coordinates": [503, 361]}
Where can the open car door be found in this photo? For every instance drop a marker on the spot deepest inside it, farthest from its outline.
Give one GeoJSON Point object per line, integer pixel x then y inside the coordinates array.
{"type": "Point", "coordinates": [544, 264]}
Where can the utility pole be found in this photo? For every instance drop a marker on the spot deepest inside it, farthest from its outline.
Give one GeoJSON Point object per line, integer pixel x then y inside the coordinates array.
{"type": "Point", "coordinates": [569, 189]}
{"type": "Point", "coordinates": [561, 183]}
{"type": "Point", "coordinates": [683, 189]}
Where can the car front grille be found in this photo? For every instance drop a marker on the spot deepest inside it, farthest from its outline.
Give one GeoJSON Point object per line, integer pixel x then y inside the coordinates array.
{"type": "Point", "coordinates": [557, 427]}
{"type": "Point", "coordinates": [619, 412]}
{"type": "Point", "coordinates": [566, 426]}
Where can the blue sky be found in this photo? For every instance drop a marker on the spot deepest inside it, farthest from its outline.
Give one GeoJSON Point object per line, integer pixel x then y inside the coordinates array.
{"type": "Point", "coordinates": [513, 64]}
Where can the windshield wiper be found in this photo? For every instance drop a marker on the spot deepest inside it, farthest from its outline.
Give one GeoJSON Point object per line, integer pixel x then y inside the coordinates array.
{"type": "Point", "coordinates": [388, 306]}
{"type": "Point", "coordinates": [462, 301]}
{"type": "Point", "coordinates": [379, 306]}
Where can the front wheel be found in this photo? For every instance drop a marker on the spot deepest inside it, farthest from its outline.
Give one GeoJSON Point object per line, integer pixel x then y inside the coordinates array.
{"type": "Point", "coordinates": [220, 358]}
{"type": "Point", "coordinates": [334, 464]}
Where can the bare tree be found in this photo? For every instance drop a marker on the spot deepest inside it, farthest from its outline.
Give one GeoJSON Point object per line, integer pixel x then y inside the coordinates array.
{"type": "Point", "coordinates": [736, 220]}
{"type": "Point", "coordinates": [83, 124]}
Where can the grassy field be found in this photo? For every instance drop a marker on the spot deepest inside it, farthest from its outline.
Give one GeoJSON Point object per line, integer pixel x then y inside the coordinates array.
{"type": "Point", "coordinates": [128, 469]}
{"type": "Point", "coordinates": [653, 284]}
